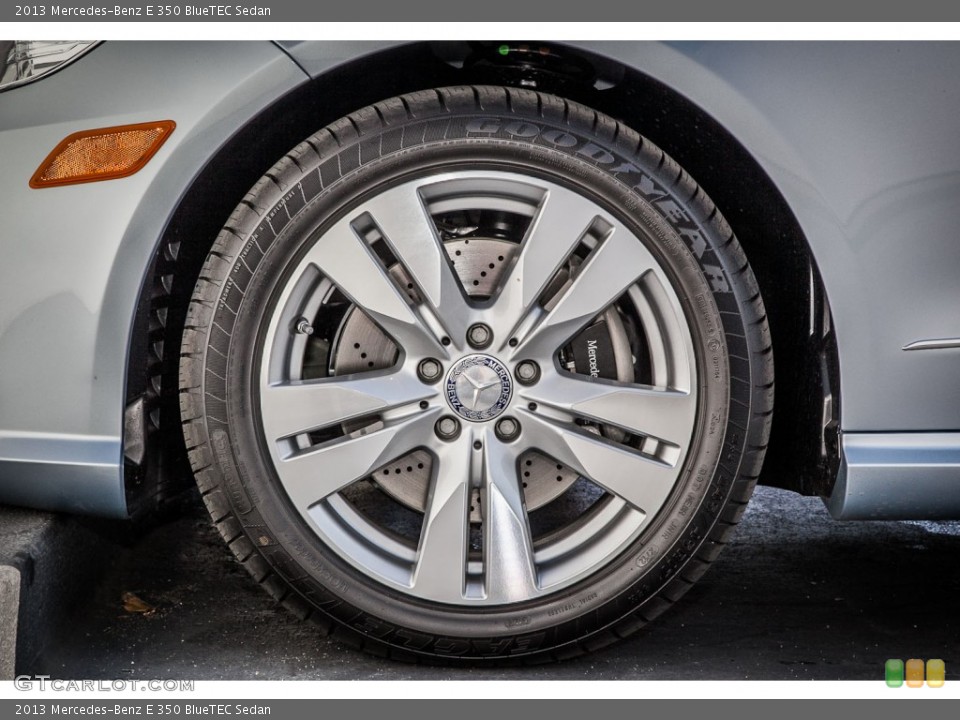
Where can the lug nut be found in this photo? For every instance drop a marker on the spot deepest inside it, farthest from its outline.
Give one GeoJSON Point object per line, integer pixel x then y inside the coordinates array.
{"type": "Point", "coordinates": [447, 428]}
{"type": "Point", "coordinates": [479, 336]}
{"type": "Point", "coordinates": [429, 370]}
{"type": "Point", "coordinates": [304, 327]}
{"type": "Point", "coordinates": [528, 372]}
{"type": "Point", "coordinates": [507, 429]}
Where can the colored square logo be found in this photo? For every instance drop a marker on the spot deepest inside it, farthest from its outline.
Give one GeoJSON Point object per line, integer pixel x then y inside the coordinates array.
{"type": "Point", "coordinates": [914, 673]}
{"type": "Point", "coordinates": [893, 673]}
{"type": "Point", "coordinates": [936, 673]}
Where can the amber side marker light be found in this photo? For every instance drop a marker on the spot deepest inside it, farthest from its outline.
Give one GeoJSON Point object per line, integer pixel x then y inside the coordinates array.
{"type": "Point", "coordinates": [102, 154]}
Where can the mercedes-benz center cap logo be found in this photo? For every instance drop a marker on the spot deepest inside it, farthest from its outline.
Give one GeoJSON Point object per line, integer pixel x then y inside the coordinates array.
{"type": "Point", "coordinates": [479, 388]}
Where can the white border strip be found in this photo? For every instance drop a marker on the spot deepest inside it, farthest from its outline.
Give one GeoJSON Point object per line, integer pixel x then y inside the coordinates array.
{"type": "Point", "coordinates": [557, 31]}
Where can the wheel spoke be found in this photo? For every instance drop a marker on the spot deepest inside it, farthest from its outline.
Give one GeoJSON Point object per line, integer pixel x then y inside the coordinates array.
{"type": "Point", "coordinates": [510, 573]}
{"type": "Point", "coordinates": [618, 261]}
{"type": "Point", "coordinates": [665, 414]}
{"type": "Point", "coordinates": [343, 256]}
{"type": "Point", "coordinates": [561, 221]}
{"type": "Point", "coordinates": [311, 475]}
{"type": "Point", "coordinates": [411, 234]}
{"type": "Point", "coordinates": [441, 568]}
{"type": "Point", "coordinates": [644, 482]}
{"type": "Point", "coordinates": [304, 405]}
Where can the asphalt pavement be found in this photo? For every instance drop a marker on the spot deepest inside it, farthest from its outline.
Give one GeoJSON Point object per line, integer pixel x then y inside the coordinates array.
{"type": "Point", "coordinates": [47, 560]}
{"type": "Point", "coordinates": [796, 595]}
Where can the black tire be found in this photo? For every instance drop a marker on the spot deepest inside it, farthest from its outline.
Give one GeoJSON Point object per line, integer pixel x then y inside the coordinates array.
{"type": "Point", "coordinates": [423, 133]}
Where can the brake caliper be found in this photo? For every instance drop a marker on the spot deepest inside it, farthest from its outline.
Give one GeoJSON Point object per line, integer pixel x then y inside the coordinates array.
{"type": "Point", "coordinates": [592, 351]}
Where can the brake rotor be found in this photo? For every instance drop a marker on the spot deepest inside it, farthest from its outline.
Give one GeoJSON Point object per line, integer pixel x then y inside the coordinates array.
{"type": "Point", "coordinates": [361, 346]}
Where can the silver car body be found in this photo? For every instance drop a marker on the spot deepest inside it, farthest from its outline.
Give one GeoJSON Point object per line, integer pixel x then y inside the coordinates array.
{"type": "Point", "coordinates": [859, 138]}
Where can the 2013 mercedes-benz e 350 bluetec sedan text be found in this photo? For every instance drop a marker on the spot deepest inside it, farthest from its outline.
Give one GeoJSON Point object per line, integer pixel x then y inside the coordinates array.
{"type": "Point", "coordinates": [471, 347]}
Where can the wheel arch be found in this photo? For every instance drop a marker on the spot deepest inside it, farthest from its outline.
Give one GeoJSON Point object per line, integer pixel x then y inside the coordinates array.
{"type": "Point", "coordinates": [803, 454]}
{"type": "Point", "coordinates": [799, 315]}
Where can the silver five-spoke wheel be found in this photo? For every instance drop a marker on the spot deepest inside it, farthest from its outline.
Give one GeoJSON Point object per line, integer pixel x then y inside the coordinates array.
{"type": "Point", "coordinates": [406, 284]}
{"type": "Point", "coordinates": [477, 373]}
